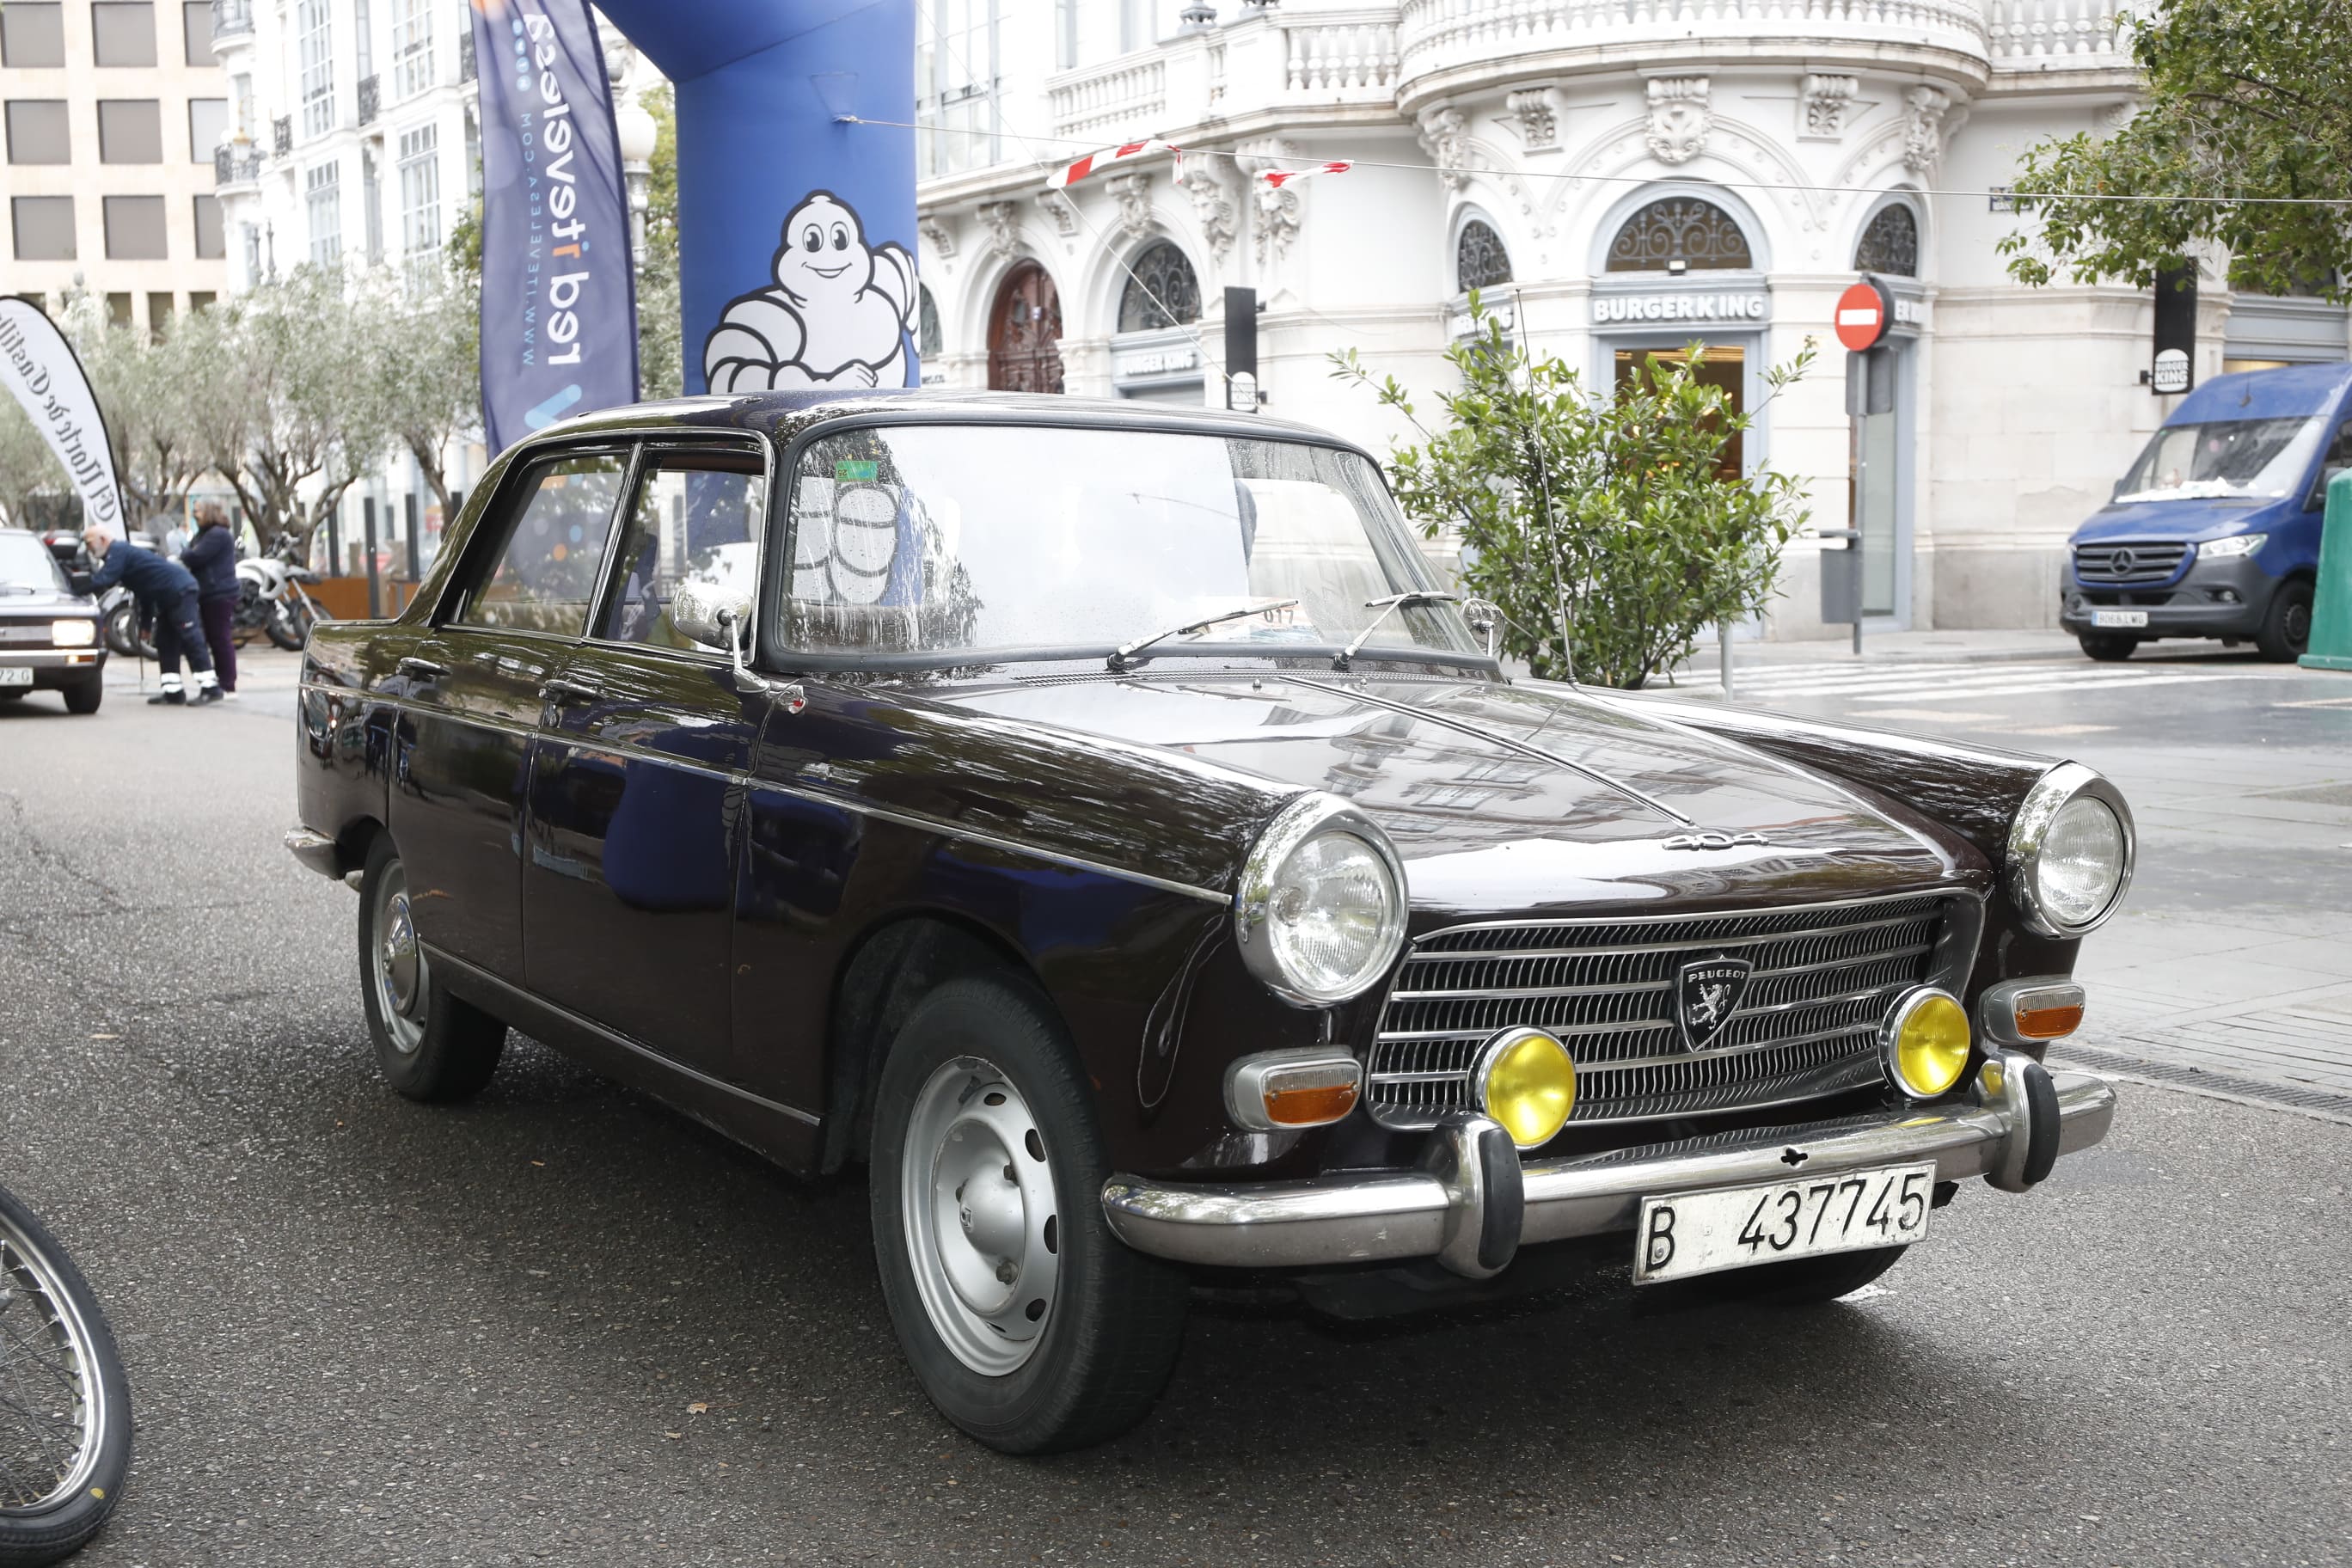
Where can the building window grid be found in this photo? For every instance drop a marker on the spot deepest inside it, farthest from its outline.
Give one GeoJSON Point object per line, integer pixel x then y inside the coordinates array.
{"type": "Point", "coordinates": [1162, 290]}
{"type": "Point", "coordinates": [412, 47]}
{"type": "Point", "coordinates": [956, 83]}
{"type": "Point", "coordinates": [322, 199]}
{"type": "Point", "coordinates": [1678, 233]}
{"type": "Point", "coordinates": [1479, 259]}
{"type": "Point", "coordinates": [420, 202]}
{"type": "Point", "coordinates": [314, 25]}
{"type": "Point", "coordinates": [1890, 245]}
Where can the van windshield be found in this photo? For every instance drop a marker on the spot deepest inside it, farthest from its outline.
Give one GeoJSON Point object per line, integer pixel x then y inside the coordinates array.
{"type": "Point", "coordinates": [938, 538]}
{"type": "Point", "coordinates": [2262, 458]}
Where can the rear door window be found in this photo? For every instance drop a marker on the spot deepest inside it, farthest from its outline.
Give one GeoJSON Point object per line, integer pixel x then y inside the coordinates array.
{"type": "Point", "coordinates": [695, 517]}
{"type": "Point", "coordinates": [542, 574]}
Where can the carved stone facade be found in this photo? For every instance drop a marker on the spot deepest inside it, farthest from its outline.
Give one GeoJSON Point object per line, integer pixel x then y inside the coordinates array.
{"type": "Point", "coordinates": [1679, 119]}
{"type": "Point", "coordinates": [1061, 210]}
{"type": "Point", "coordinates": [1213, 205]}
{"type": "Point", "coordinates": [1538, 123]}
{"type": "Point", "coordinates": [941, 238]}
{"type": "Point", "coordinates": [1923, 128]}
{"type": "Point", "coordinates": [1003, 221]}
{"type": "Point", "coordinates": [1827, 100]}
{"type": "Point", "coordinates": [1132, 192]}
{"type": "Point", "coordinates": [1445, 137]}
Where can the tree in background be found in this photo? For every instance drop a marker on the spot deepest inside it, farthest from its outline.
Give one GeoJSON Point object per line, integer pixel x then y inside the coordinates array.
{"type": "Point", "coordinates": [148, 388]}
{"type": "Point", "coordinates": [2250, 99]}
{"type": "Point", "coordinates": [28, 466]}
{"type": "Point", "coordinates": [1602, 525]}
{"type": "Point", "coordinates": [427, 383]}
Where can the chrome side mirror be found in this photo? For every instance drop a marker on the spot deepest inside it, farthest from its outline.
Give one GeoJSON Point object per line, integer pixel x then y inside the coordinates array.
{"type": "Point", "coordinates": [714, 615]}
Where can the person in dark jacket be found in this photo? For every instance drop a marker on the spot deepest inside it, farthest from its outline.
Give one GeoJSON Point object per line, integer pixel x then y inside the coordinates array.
{"type": "Point", "coordinates": [166, 588]}
{"type": "Point", "coordinates": [211, 557]}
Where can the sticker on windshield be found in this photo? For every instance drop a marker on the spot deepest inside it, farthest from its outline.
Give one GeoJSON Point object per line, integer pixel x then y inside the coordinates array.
{"type": "Point", "coordinates": [857, 471]}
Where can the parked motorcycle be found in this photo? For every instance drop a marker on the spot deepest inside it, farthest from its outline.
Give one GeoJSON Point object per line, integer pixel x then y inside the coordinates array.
{"type": "Point", "coordinates": [64, 1405]}
{"type": "Point", "coordinates": [272, 599]}
{"type": "Point", "coordinates": [119, 611]}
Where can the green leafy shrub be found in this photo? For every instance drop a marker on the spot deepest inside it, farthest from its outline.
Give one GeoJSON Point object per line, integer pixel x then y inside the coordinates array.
{"type": "Point", "coordinates": [1602, 524]}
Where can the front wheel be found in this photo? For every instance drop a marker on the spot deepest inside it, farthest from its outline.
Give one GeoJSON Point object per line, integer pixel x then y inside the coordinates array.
{"type": "Point", "coordinates": [1027, 1321]}
{"type": "Point", "coordinates": [2285, 634]}
{"type": "Point", "coordinates": [430, 1045]}
{"type": "Point", "coordinates": [286, 626]}
{"type": "Point", "coordinates": [2108, 647]}
{"type": "Point", "coordinates": [123, 632]}
{"type": "Point", "coordinates": [86, 697]}
{"type": "Point", "coordinates": [64, 1405]}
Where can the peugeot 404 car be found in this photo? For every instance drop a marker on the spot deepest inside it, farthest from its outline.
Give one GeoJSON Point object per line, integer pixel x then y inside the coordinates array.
{"type": "Point", "coordinates": [1103, 824]}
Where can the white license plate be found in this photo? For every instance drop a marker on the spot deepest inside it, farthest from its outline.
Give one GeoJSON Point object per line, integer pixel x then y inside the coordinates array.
{"type": "Point", "coordinates": [15, 675]}
{"type": "Point", "coordinates": [2119, 617]}
{"type": "Point", "coordinates": [1736, 1227]}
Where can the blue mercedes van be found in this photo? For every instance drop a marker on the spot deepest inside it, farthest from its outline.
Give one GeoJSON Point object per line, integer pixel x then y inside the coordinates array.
{"type": "Point", "coordinates": [2214, 529]}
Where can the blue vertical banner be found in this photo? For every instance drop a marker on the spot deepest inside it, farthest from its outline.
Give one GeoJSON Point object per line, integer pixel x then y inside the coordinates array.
{"type": "Point", "coordinates": [559, 303]}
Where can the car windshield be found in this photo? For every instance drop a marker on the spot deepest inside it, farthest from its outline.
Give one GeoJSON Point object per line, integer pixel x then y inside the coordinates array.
{"type": "Point", "coordinates": [947, 539]}
{"type": "Point", "coordinates": [2260, 457]}
{"type": "Point", "coordinates": [26, 564]}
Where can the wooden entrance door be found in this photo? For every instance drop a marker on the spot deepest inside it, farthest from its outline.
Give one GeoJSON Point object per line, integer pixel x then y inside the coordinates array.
{"type": "Point", "coordinates": [1025, 333]}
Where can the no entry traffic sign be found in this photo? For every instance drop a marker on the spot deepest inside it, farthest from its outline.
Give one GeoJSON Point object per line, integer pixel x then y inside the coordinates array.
{"type": "Point", "coordinates": [1863, 312]}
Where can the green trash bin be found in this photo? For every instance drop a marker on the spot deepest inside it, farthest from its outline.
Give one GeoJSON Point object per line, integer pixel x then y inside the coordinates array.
{"type": "Point", "coordinates": [2331, 608]}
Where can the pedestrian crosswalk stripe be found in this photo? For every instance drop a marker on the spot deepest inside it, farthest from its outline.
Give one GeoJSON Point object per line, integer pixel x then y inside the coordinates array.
{"type": "Point", "coordinates": [2029, 688]}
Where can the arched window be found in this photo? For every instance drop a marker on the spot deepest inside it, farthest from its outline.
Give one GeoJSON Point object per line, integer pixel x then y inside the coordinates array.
{"type": "Point", "coordinates": [1890, 244]}
{"type": "Point", "coordinates": [1679, 234]}
{"type": "Point", "coordinates": [1479, 259]}
{"type": "Point", "coordinates": [929, 341]}
{"type": "Point", "coordinates": [1161, 290]}
{"type": "Point", "coordinates": [1025, 333]}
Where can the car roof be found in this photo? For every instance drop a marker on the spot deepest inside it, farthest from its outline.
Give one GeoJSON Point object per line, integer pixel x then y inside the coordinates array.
{"type": "Point", "coordinates": [785, 414]}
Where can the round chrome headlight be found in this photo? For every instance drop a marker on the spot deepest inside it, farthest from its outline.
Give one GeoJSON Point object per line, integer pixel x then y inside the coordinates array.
{"type": "Point", "coordinates": [2070, 852]}
{"type": "Point", "coordinates": [1320, 911]}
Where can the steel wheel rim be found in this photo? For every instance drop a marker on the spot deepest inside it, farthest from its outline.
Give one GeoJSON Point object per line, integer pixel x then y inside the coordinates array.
{"type": "Point", "coordinates": [52, 1399]}
{"type": "Point", "coordinates": [397, 961]}
{"type": "Point", "coordinates": [981, 1217]}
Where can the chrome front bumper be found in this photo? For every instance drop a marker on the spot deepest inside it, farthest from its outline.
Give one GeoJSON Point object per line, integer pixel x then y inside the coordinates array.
{"type": "Point", "coordinates": [1473, 1202]}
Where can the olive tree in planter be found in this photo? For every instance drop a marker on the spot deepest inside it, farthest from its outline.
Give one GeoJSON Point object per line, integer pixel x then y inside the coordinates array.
{"type": "Point", "coordinates": [1604, 524]}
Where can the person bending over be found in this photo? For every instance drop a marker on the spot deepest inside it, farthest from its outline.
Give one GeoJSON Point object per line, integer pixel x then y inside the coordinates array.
{"type": "Point", "coordinates": [166, 588]}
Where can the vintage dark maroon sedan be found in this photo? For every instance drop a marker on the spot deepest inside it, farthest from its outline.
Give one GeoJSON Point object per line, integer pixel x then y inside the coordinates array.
{"type": "Point", "coordinates": [1099, 822]}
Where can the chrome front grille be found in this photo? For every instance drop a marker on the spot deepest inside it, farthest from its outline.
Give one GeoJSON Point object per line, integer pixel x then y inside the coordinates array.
{"type": "Point", "coordinates": [2127, 563]}
{"type": "Point", "coordinates": [1806, 1026]}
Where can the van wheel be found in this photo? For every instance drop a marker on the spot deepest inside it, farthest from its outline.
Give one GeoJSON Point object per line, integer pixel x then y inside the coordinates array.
{"type": "Point", "coordinates": [2108, 647]}
{"type": "Point", "coordinates": [430, 1045]}
{"type": "Point", "coordinates": [1027, 1321]}
{"type": "Point", "coordinates": [2285, 635]}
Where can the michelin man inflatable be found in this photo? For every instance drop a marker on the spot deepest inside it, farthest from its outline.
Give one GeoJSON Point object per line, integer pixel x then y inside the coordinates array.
{"type": "Point", "coordinates": [838, 315]}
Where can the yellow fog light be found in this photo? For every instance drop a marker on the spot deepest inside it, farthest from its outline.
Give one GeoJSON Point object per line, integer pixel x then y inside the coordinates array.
{"type": "Point", "coordinates": [1925, 1040]}
{"type": "Point", "coordinates": [1527, 1083]}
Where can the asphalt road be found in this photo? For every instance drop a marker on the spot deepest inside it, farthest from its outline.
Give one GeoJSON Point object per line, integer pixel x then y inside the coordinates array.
{"type": "Point", "coordinates": [561, 1325]}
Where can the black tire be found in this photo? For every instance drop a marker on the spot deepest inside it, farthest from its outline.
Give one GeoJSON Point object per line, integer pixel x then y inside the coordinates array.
{"type": "Point", "coordinates": [2108, 647]}
{"type": "Point", "coordinates": [1805, 1282]}
{"type": "Point", "coordinates": [46, 1304]}
{"type": "Point", "coordinates": [2285, 635]}
{"type": "Point", "coordinates": [123, 632]}
{"type": "Point", "coordinates": [85, 698]}
{"type": "Point", "coordinates": [285, 628]}
{"type": "Point", "coordinates": [432, 1045]}
{"type": "Point", "coordinates": [1115, 1319]}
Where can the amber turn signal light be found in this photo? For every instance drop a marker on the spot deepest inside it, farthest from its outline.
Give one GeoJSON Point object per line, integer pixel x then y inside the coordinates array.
{"type": "Point", "coordinates": [2022, 1012]}
{"type": "Point", "coordinates": [1283, 1090]}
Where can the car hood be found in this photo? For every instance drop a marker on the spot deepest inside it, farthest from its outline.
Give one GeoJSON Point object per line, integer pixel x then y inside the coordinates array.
{"type": "Point", "coordinates": [2189, 521]}
{"type": "Point", "coordinates": [43, 602]}
{"type": "Point", "coordinates": [1517, 797]}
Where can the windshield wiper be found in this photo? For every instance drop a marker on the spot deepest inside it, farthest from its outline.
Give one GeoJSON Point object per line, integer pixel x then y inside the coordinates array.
{"type": "Point", "coordinates": [1387, 608]}
{"type": "Point", "coordinates": [1121, 657]}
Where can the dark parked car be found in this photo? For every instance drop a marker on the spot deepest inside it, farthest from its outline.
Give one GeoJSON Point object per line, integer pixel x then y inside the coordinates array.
{"type": "Point", "coordinates": [1096, 820]}
{"type": "Point", "coordinates": [49, 626]}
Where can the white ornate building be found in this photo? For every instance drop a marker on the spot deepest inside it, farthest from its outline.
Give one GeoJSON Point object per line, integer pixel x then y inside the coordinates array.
{"type": "Point", "coordinates": [1623, 176]}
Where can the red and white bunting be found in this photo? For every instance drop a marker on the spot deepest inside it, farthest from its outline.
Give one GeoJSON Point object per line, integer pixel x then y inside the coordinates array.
{"type": "Point", "coordinates": [1279, 178]}
{"type": "Point", "coordinates": [1106, 157]}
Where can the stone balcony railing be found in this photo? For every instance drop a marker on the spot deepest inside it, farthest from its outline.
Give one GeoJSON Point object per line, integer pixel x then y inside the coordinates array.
{"type": "Point", "coordinates": [2058, 34]}
{"type": "Point", "coordinates": [232, 19]}
{"type": "Point", "coordinates": [236, 164]}
{"type": "Point", "coordinates": [1304, 57]}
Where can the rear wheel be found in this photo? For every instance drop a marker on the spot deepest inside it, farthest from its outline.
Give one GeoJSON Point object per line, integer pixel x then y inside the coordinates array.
{"type": "Point", "coordinates": [2285, 635]}
{"type": "Point", "coordinates": [85, 698]}
{"type": "Point", "coordinates": [2108, 647]}
{"type": "Point", "coordinates": [64, 1405]}
{"type": "Point", "coordinates": [1803, 1282]}
{"type": "Point", "coordinates": [287, 628]}
{"type": "Point", "coordinates": [431, 1045]}
{"type": "Point", "coordinates": [1027, 1321]}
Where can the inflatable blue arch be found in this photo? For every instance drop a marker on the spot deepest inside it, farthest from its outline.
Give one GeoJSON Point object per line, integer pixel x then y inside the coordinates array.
{"type": "Point", "coordinates": [796, 228]}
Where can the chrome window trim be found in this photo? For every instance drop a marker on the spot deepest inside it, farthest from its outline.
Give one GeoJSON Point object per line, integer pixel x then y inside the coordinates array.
{"type": "Point", "coordinates": [649, 450]}
{"type": "Point", "coordinates": [905, 819]}
{"type": "Point", "coordinates": [1305, 816]}
{"type": "Point", "coordinates": [2031, 828]}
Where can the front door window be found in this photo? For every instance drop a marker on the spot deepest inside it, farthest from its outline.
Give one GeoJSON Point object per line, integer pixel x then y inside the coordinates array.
{"type": "Point", "coordinates": [548, 565]}
{"type": "Point", "coordinates": [696, 519]}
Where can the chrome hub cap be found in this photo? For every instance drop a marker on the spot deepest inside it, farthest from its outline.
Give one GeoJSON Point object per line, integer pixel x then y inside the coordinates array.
{"type": "Point", "coordinates": [52, 1404]}
{"type": "Point", "coordinates": [400, 971]}
{"type": "Point", "coordinates": [983, 1228]}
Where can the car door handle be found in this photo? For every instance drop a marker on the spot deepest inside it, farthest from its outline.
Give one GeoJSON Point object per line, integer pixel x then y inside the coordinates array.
{"type": "Point", "coordinates": [563, 690]}
{"type": "Point", "coordinates": [424, 669]}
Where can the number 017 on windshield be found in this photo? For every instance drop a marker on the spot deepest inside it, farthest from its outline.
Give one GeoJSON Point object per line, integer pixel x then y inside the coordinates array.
{"type": "Point", "coordinates": [1739, 1228]}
